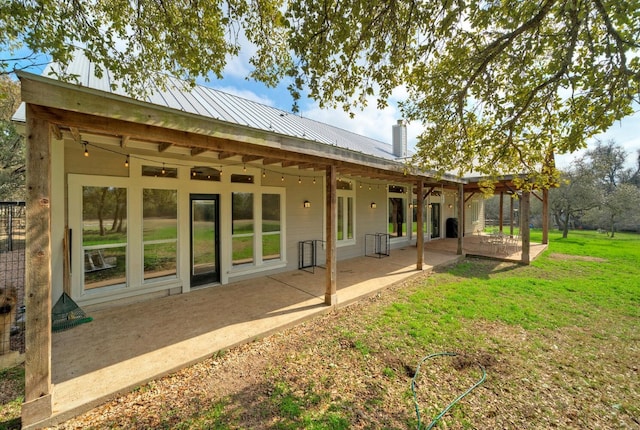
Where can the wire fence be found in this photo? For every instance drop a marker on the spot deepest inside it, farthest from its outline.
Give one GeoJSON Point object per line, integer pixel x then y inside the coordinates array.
{"type": "Point", "coordinates": [12, 273]}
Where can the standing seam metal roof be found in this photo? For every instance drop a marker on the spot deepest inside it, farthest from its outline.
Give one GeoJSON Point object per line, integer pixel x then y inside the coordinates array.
{"type": "Point", "coordinates": [211, 103]}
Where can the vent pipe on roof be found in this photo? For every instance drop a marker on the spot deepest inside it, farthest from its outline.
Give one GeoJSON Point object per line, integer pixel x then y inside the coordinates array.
{"type": "Point", "coordinates": [400, 139]}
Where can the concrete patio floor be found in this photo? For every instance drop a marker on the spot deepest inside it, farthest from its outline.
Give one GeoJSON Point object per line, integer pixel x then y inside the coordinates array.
{"type": "Point", "coordinates": [126, 346]}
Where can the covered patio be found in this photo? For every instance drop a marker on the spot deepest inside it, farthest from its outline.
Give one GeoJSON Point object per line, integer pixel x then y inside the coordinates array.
{"type": "Point", "coordinates": [94, 362]}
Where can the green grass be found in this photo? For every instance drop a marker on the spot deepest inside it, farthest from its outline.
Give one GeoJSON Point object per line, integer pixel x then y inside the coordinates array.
{"type": "Point", "coordinates": [553, 292]}
{"type": "Point", "coordinates": [580, 296]}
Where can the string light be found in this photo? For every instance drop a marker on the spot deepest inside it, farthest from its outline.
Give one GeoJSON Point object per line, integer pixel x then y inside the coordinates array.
{"type": "Point", "coordinates": [195, 173]}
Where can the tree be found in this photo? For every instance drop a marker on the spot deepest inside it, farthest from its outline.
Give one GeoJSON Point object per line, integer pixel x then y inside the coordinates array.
{"type": "Point", "coordinates": [499, 85]}
{"type": "Point", "coordinates": [620, 198]}
{"type": "Point", "coordinates": [578, 192]}
{"type": "Point", "coordinates": [12, 161]}
{"type": "Point", "coordinates": [142, 40]}
{"type": "Point", "coordinates": [617, 207]}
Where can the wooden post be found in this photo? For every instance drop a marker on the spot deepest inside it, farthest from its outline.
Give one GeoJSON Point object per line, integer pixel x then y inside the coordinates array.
{"type": "Point", "coordinates": [524, 226]}
{"type": "Point", "coordinates": [460, 217]}
{"type": "Point", "coordinates": [38, 401]}
{"type": "Point", "coordinates": [501, 210]}
{"type": "Point", "coordinates": [511, 216]}
{"type": "Point", "coordinates": [330, 295]}
{"type": "Point", "coordinates": [545, 216]}
{"type": "Point", "coordinates": [420, 215]}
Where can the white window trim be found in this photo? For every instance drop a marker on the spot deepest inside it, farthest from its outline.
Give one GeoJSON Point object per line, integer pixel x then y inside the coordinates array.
{"type": "Point", "coordinates": [347, 194]}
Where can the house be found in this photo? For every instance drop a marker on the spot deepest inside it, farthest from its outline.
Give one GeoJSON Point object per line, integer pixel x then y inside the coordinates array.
{"type": "Point", "coordinates": [137, 199]}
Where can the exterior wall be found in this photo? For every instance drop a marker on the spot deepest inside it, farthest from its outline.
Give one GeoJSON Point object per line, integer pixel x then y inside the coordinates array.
{"type": "Point", "coordinates": [105, 167]}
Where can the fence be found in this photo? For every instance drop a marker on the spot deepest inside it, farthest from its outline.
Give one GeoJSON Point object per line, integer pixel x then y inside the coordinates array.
{"type": "Point", "coordinates": [12, 271]}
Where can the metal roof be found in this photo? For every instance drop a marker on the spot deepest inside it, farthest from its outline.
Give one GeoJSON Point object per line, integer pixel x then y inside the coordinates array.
{"type": "Point", "coordinates": [216, 104]}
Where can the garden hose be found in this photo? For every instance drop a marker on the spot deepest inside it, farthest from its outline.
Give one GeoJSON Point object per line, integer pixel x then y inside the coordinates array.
{"type": "Point", "coordinates": [457, 399]}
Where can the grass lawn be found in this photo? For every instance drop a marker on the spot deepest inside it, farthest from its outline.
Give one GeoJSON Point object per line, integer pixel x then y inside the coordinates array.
{"type": "Point", "coordinates": [559, 340]}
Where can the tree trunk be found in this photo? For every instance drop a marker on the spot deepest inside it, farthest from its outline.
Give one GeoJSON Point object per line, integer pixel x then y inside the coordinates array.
{"type": "Point", "coordinates": [101, 210]}
{"type": "Point", "coordinates": [565, 230]}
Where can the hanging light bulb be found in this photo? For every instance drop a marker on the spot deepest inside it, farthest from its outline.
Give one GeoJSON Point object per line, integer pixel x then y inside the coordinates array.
{"type": "Point", "coordinates": [163, 171]}
{"type": "Point", "coordinates": [126, 162]}
{"type": "Point", "coordinates": [244, 168]}
{"type": "Point", "coordinates": [264, 174]}
{"type": "Point", "coordinates": [86, 151]}
{"type": "Point", "coordinates": [314, 181]}
{"type": "Point", "coordinates": [299, 180]}
{"type": "Point", "coordinates": [282, 178]}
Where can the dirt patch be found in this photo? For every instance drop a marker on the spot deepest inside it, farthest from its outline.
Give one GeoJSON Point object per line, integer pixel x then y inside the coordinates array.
{"type": "Point", "coordinates": [568, 257]}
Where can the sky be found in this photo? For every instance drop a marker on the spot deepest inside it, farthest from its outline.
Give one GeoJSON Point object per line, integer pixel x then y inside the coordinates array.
{"type": "Point", "coordinates": [377, 124]}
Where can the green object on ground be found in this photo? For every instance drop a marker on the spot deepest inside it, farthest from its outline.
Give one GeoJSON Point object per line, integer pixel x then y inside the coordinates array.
{"type": "Point", "coordinates": [67, 314]}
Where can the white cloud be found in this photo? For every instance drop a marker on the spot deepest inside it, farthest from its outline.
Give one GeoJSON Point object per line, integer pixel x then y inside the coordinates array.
{"type": "Point", "coordinates": [625, 133]}
{"type": "Point", "coordinates": [371, 121]}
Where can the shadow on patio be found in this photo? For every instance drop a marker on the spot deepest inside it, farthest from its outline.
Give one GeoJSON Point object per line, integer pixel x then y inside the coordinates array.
{"type": "Point", "coordinates": [126, 346]}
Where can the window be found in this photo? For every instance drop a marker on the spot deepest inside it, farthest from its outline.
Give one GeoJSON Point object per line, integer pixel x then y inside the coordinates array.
{"type": "Point", "coordinates": [475, 211]}
{"type": "Point", "coordinates": [271, 227]}
{"type": "Point", "coordinates": [346, 212]}
{"type": "Point", "coordinates": [414, 210]}
{"type": "Point", "coordinates": [104, 236]}
{"type": "Point", "coordinates": [241, 179]}
{"type": "Point", "coordinates": [242, 228]}
{"type": "Point", "coordinates": [160, 171]}
{"type": "Point", "coordinates": [204, 173]}
{"type": "Point", "coordinates": [160, 233]}
{"type": "Point", "coordinates": [397, 211]}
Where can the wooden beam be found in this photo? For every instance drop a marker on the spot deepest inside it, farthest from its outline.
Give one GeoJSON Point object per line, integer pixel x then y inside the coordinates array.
{"type": "Point", "coordinates": [420, 215]}
{"type": "Point", "coordinates": [291, 163]}
{"type": "Point", "coordinates": [55, 130]}
{"type": "Point", "coordinates": [226, 154]}
{"type": "Point", "coordinates": [75, 133]}
{"type": "Point", "coordinates": [267, 161]}
{"type": "Point", "coordinates": [124, 141]}
{"type": "Point", "coordinates": [545, 216]}
{"type": "Point", "coordinates": [197, 151]}
{"type": "Point", "coordinates": [460, 218]}
{"type": "Point", "coordinates": [250, 158]}
{"type": "Point", "coordinates": [164, 146]}
{"type": "Point", "coordinates": [38, 399]}
{"type": "Point", "coordinates": [330, 295]}
{"type": "Point", "coordinates": [524, 227]}
{"type": "Point", "coordinates": [501, 215]}
{"type": "Point", "coordinates": [511, 216]}
{"type": "Point", "coordinates": [469, 197]}
{"type": "Point", "coordinates": [534, 194]}
{"type": "Point", "coordinates": [152, 133]}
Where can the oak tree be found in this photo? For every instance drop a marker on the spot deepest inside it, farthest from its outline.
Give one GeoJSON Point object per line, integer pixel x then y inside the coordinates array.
{"type": "Point", "coordinates": [499, 86]}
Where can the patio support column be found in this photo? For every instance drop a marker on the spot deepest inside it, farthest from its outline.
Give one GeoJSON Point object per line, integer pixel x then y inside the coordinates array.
{"type": "Point", "coordinates": [330, 295]}
{"type": "Point", "coordinates": [524, 226]}
{"type": "Point", "coordinates": [501, 217]}
{"type": "Point", "coordinates": [419, 216]}
{"type": "Point", "coordinates": [545, 216]}
{"type": "Point", "coordinates": [460, 217]}
{"type": "Point", "coordinates": [511, 216]}
{"type": "Point", "coordinates": [38, 401]}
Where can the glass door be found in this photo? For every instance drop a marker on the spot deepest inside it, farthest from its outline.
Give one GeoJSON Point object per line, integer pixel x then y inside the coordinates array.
{"type": "Point", "coordinates": [435, 220]}
{"type": "Point", "coordinates": [205, 244]}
